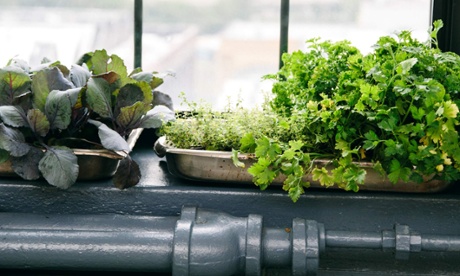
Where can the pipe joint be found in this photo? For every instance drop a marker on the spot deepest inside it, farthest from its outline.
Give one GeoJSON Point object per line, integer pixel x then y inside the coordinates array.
{"type": "Point", "coordinates": [198, 242]}
{"type": "Point", "coordinates": [407, 241]}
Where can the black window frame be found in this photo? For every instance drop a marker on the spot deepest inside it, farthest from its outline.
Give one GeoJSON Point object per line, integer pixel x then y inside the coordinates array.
{"type": "Point", "coordinates": [449, 12]}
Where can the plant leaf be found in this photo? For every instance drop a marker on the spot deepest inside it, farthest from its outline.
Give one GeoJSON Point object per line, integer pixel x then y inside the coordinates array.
{"type": "Point", "coordinates": [12, 116]}
{"type": "Point", "coordinates": [155, 82]}
{"type": "Point", "coordinates": [103, 63]}
{"type": "Point", "coordinates": [262, 173]}
{"type": "Point", "coordinates": [157, 116]}
{"type": "Point", "coordinates": [44, 82]}
{"type": "Point", "coordinates": [27, 166]}
{"type": "Point", "coordinates": [148, 77]}
{"type": "Point", "coordinates": [130, 116]}
{"type": "Point", "coordinates": [13, 141]}
{"type": "Point", "coordinates": [99, 61]}
{"type": "Point", "coordinates": [160, 98]}
{"type": "Point", "coordinates": [295, 193]}
{"type": "Point", "coordinates": [323, 176]}
{"type": "Point", "coordinates": [99, 96]}
{"type": "Point", "coordinates": [45, 64]}
{"type": "Point", "coordinates": [110, 139]}
{"type": "Point", "coordinates": [248, 143]}
{"type": "Point", "coordinates": [265, 148]}
{"type": "Point", "coordinates": [59, 166]}
{"type": "Point", "coordinates": [371, 135]}
{"type": "Point", "coordinates": [128, 174]}
{"type": "Point", "coordinates": [388, 124]}
{"type": "Point", "coordinates": [398, 172]}
{"type": "Point", "coordinates": [38, 122]}
{"type": "Point", "coordinates": [79, 75]}
{"type": "Point", "coordinates": [296, 145]}
{"type": "Point", "coordinates": [117, 65]}
{"type": "Point", "coordinates": [406, 65]}
{"type": "Point", "coordinates": [58, 107]}
{"type": "Point", "coordinates": [450, 110]}
{"type": "Point", "coordinates": [14, 83]}
{"type": "Point", "coordinates": [131, 93]}
{"type": "Point", "coordinates": [355, 174]}
{"type": "Point", "coordinates": [20, 63]}
{"type": "Point", "coordinates": [288, 154]}
{"type": "Point", "coordinates": [4, 155]}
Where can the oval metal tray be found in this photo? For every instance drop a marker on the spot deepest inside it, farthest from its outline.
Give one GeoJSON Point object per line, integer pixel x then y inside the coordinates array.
{"type": "Point", "coordinates": [217, 166]}
{"type": "Point", "coordinates": [93, 164]}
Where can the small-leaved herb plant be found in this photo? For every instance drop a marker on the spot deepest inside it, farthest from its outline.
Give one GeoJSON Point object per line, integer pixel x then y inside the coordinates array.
{"type": "Point", "coordinates": [201, 127]}
{"type": "Point", "coordinates": [47, 111]}
{"type": "Point", "coordinates": [396, 107]}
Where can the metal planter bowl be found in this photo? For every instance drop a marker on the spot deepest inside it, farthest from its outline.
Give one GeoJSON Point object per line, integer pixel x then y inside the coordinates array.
{"type": "Point", "coordinates": [94, 164]}
{"type": "Point", "coordinates": [217, 166]}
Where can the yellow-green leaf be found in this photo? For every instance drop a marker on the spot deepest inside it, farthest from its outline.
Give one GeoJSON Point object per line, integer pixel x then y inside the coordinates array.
{"type": "Point", "coordinates": [323, 176]}
{"type": "Point", "coordinates": [450, 110]}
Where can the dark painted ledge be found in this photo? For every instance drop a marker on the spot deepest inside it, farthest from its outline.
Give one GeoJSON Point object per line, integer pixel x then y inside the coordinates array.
{"type": "Point", "coordinates": [161, 194]}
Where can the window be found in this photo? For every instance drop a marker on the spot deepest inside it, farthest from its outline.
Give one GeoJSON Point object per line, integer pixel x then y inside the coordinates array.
{"type": "Point", "coordinates": [219, 51]}
{"type": "Point", "coordinates": [64, 30]}
{"type": "Point", "coordinates": [360, 21]}
{"type": "Point", "coordinates": [212, 49]}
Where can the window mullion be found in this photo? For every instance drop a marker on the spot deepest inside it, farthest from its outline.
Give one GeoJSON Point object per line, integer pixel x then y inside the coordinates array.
{"type": "Point", "coordinates": [138, 7]}
{"type": "Point", "coordinates": [449, 12]}
{"type": "Point", "coordinates": [284, 29]}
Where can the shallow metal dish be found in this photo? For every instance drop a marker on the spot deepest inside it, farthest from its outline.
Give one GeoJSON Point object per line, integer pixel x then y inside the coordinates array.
{"type": "Point", "coordinates": [93, 164]}
{"type": "Point", "coordinates": [217, 166]}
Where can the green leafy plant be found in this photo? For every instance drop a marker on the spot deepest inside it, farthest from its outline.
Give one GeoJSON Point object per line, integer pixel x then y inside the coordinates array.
{"type": "Point", "coordinates": [396, 108]}
{"type": "Point", "coordinates": [201, 127]}
{"type": "Point", "coordinates": [47, 111]}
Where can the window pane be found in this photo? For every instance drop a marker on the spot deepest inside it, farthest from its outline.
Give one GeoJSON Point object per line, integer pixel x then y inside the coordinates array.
{"type": "Point", "coordinates": [215, 49]}
{"type": "Point", "coordinates": [219, 49]}
{"type": "Point", "coordinates": [65, 30]}
{"type": "Point", "coordinates": [360, 21]}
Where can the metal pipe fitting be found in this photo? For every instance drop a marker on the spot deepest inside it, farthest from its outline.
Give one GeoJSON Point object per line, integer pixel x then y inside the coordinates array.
{"type": "Point", "coordinates": [199, 242]}
{"type": "Point", "coordinates": [214, 243]}
{"type": "Point", "coordinates": [398, 240]}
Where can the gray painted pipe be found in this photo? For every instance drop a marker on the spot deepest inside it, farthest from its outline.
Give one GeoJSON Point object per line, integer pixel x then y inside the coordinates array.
{"type": "Point", "coordinates": [81, 242]}
{"type": "Point", "coordinates": [440, 243]}
{"type": "Point", "coordinates": [199, 242]}
{"type": "Point", "coordinates": [353, 239]}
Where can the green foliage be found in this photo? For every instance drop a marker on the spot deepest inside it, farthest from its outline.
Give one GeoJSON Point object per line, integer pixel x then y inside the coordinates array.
{"type": "Point", "coordinates": [14, 84]}
{"type": "Point", "coordinates": [281, 158]}
{"type": "Point", "coordinates": [47, 111]}
{"type": "Point", "coordinates": [62, 158]}
{"type": "Point", "coordinates": [203, 128]}
{"type": "Point", "coordinates": [396, 107]}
